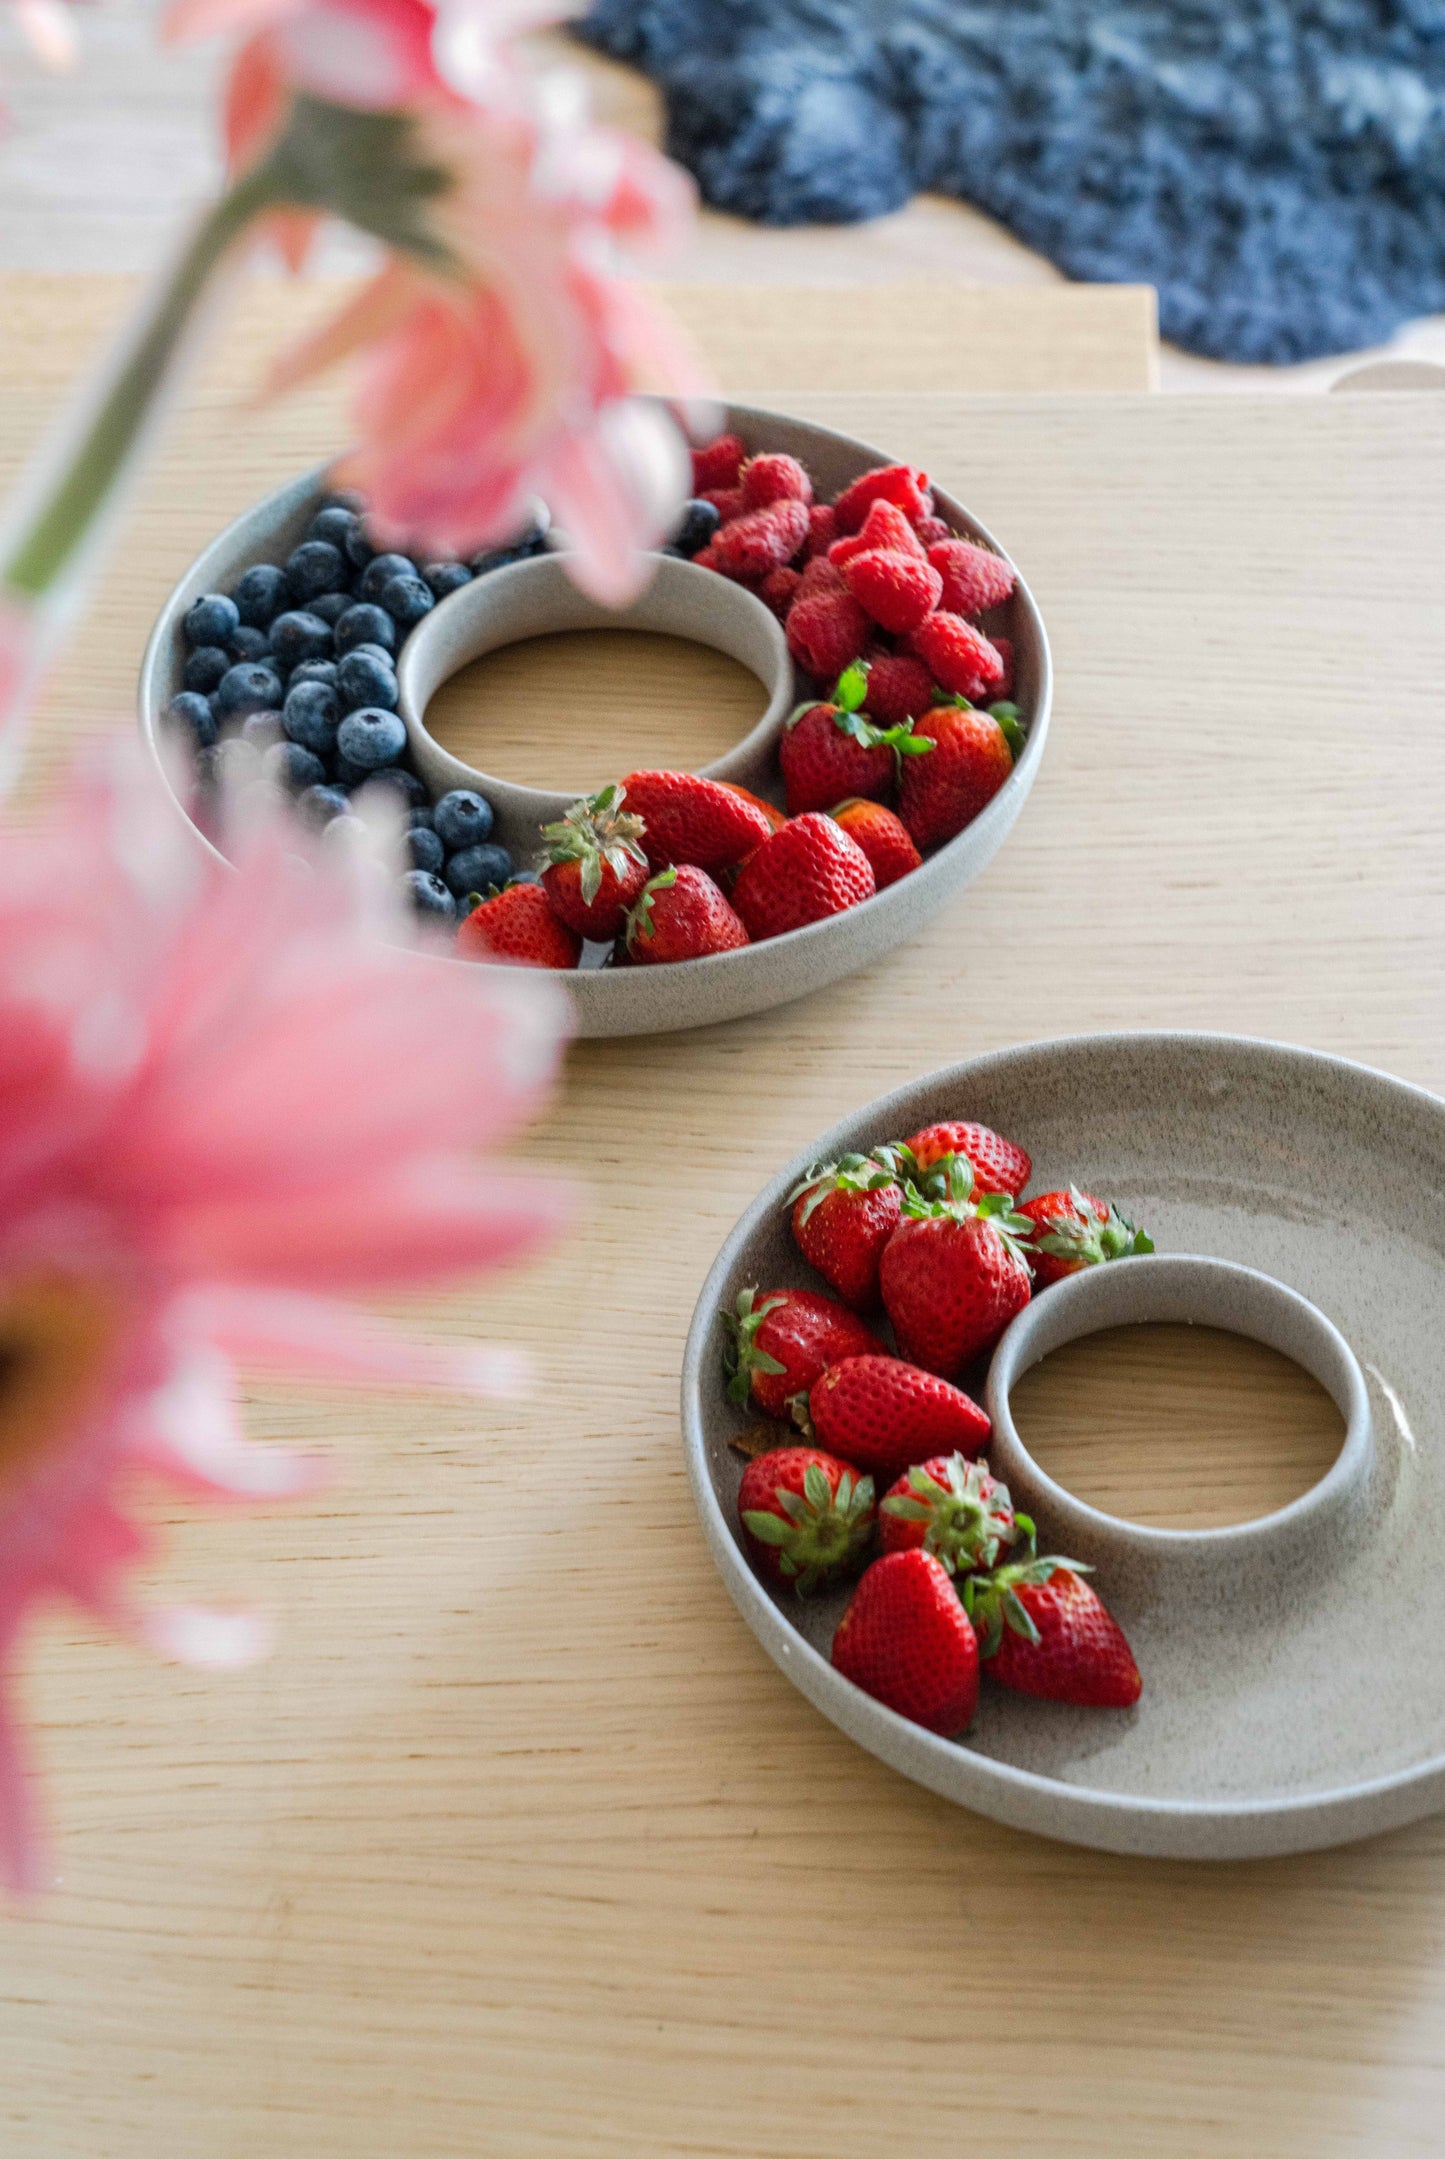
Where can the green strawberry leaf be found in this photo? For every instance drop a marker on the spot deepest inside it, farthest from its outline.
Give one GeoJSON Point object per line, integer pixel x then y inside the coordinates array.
{"type": "Point", "coordinates": [767, 1528]}
{"type": "Point", "coordinates": [852, 688]}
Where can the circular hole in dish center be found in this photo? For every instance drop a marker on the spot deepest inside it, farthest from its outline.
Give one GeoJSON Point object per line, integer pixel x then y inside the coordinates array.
{"type": "Point", "coordinates": [581, 707]}
{"type": "Point", "coordinates": [1177, 1427]}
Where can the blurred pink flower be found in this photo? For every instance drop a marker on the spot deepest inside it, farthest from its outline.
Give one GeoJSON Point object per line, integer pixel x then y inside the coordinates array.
{"type": "Point", "coordinates": [226, 1105]}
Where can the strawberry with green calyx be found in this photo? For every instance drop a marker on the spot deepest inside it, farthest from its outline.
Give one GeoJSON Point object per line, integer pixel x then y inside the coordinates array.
{"type": "Point", "coordinates": [885, 1415]}
{"type": "Point", "coordinates": [844, 1213]}
{"type": "Point", "coordinates": [998, 1164]}
{"type": "Point", "coordinates": [953, 1508]}
{"type": "Point", "coordinates": [595, 864]}
{"type": "Point", "coordinates": [973, 756]}
{"type": "Point", "coordinates": [808, 1517]}
{"type": "Point", "coordinates": [1043, 1631]}
{"type": "Point", "coordinates": [518, 924]}
{"type": "Point", "coordinates": [806, 871]}
{"type": "Point", "coordinates": [906, 1640]}
{"type": "Point", "coordinates": [782, 1340]}
{"type": "Point", "coordinates": [829, 751]}
{"type": "Point", "coordinates": [1073, 1230]}
{"type": "Point", "coordinates": [689, 818]}
{"type": "Point", "coordinates": [681, 915]}
{"type": "Point", "coordinates": [954, 1272]}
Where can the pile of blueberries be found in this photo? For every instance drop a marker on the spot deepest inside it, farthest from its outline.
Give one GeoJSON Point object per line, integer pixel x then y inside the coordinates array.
{"type": "Point", "coordinates": [292, 676]}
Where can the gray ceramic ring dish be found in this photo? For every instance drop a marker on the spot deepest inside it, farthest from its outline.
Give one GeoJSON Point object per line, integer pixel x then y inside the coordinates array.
{"type": "Point", "coordinates": [1293, 1693]}
{"type": "Point", "coordinates": [533, 597]}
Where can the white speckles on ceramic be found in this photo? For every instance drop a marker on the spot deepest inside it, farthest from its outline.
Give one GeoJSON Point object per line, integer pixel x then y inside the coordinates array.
{"type": "Point", "coordinates": [695, 993]}
{"type": "Point", "coordinates": [1294, 1703]}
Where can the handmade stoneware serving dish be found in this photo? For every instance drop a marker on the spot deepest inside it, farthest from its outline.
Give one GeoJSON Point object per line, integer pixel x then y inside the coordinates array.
{"type": "Point", "coordinates": [534, 597]}
{"type": "Point", "coordinates": [1293, 1696]}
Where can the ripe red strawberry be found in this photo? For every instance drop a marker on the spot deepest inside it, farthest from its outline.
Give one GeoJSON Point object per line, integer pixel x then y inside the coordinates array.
{"type": "Point", "coordinates": [518, 924]}
{"type": "Point", "coordinates": [899, 688]}
{"type": "Point", "coordinates": [931, 530]}
{"type": "Point", "coordinates": [953, 1508]}
{"type": "Point", "coordinates": [883, 838]}
{"type": "Point", "coordinates": [884, 1415]}
{"type": "Point", "coordinates": [973, 755]}
{"type": "Point", "coordinates": [897, 590]}
{"type": "Point", "coordinates": [774, 477]}
{"type": "Point", "coordinates": [1073, 1230]}
{"type": "Point", "coordinates": [998, 1165]}
{"type": "Point", "coordinates": [829, 751]}
{"type": "Point", "coordinates": [826, 630]}
{"type": "Point", "coordinates": [717, 464]}
{"type": "Point", "coordinates": [779, 589]}
{"type": "Point", "coordinates": [1043, 1631]}
{"type": "Point", "coordinates": [807, 1516]}
{"type": "Point", "coordinates": [952, 1274]}
{"type": "Point", "coordinates": [906, 1640]}
{"type": "Point", "coordinates": [596, 866]}
{"type": "Point", "coordinates": [961, 657]}
{"type": "Point", "coordinates": [844, 1212]}
{"type": "Point", "coordinates": [781, 1340]}
{"type": "Point", "coordinates": [691, 819]}
{"type": "Point", "coordinates": [760, 540]}
{"type": "Point", "coordinates": [809, 869]}
{"type": "Point", "coordinates": [973, 577]}
{"type": "Point", "coordinates": [776, 818]}
{"type": "Point", "coordinates": [728, 502]}
{"type": "Point", "coordinates": [681, 915]}
{"type": "Point", "coordinates": [884, 526]}
{"type": "Point", "coordinates": [822, 530]}
{"type": "Point", "coordinates": [898, 484]}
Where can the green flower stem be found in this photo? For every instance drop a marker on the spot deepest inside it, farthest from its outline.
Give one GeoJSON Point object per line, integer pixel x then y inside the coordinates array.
{"type": "Point", "coordinates": [50, 540]}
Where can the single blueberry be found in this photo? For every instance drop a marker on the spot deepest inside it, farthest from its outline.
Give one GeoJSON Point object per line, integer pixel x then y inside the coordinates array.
{"type": "Point", "coordinates": [445, 577]}
{"type": "Point", "coordinates": [477, 869]}
{"type": "Point", "coordinates": [699, 522]}
{"type": "Point", "coordinates": [428, 895]}
{"type": "Point", "coordinates": [260, 593]}
{"type": "Point", "coordinates": [359, 549]}
{"type": "Point", "coordinates": [190, 710]}
{"type": "Point", "coordinates": [314, 671]}
{"type": "Point", "coordinates": [249, 644]}
{"type": "Point", "coordinates": [288, 765]}
{"type": "Point", "coordinates": [403, 784]}
{"type": "Point", "coordinates": [426, 850]}
{"type": "Point", "coordinates": [525, 877]}
{"type": "Point", "coordinates": [318, 805]}
{"type": "Point", "coordinates": [364, 623]}
{"type": "Point", "coordinates": [333, 524]}
{"type": "Point", "coordinates": [312, 568]}
{"type": "Point", "coordinates": [247, 687]}
{"type": "Point", "coordinates": [298, 636]}
{"type": "Point", "coordinates": [463, 819]}
{"type": "Point", "coordinates": [235, 762]}
{"type": "Point", "coordinates": [211, 620]}
{"type": "Point", "coordinates": [262, 729]}
{"type": "Point", "coordinates": [310, 716]}
{"type": "Point", "coordinates": [379, 571]}
{"type": "Point", "coordinates": [496, 558]}
{"type": "Point", "coordinates": [406, 600]}
{"type": "Point", "coordinates": [371, 737]}
{"type": "Point", "coordinates": [347, 831]}
{"type": "Point", "coordinates": [366, 678]}
{"type": "Point", "coordinates": [330, 607]}
{"type": "Point", "coordinates": [204, 668]}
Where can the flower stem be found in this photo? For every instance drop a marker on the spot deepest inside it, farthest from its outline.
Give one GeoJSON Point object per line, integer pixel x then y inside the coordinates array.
{"type": "Point", "coordinates": [50, 539]}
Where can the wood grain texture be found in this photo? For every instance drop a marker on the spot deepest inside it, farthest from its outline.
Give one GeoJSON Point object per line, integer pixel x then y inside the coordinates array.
{"type": "Point", "coordinates": [520, 1847]}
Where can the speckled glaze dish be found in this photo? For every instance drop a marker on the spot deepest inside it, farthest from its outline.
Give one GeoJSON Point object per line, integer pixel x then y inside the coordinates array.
{"type": "Point", "coordinates": [1294, 1693]}
{"type": "Point", "coordinates": [535, 599]}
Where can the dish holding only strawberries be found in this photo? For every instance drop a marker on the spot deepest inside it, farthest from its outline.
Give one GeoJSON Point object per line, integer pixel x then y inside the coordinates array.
{"type": "Point", "coordinates": [887, 1481]}
{"type": "Point", "coordinates": [910, 735]}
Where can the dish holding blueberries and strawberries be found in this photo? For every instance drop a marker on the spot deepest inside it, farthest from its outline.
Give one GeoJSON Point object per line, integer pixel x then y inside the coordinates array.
{"type": "Point", "coordinates": [936, 1232]}
{"type": "Point", "coordinates": [290, 678]}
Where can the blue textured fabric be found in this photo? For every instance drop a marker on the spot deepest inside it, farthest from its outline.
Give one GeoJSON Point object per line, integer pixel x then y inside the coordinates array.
{"type": "Point", "coordinates": [1275, 167]}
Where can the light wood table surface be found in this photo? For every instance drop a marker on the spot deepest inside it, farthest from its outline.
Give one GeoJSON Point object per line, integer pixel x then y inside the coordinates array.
{"type": "Point", "coordinates": [520, 1846]}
